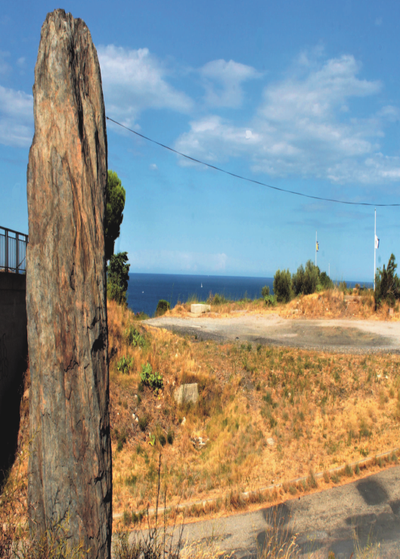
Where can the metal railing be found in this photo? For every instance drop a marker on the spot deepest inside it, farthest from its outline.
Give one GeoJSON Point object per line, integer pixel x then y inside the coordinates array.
{"type": "Point", "coordinates": [12, 251]}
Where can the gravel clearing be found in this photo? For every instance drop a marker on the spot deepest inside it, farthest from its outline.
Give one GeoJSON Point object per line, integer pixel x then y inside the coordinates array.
{"type": "Point", "coordinates": [342, 336]}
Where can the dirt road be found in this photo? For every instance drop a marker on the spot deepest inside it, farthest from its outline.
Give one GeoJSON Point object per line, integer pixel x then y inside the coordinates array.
{"type": "Point", "coordinates": [366, 512]}
{"type": "Point", "coordinates": [353, 336]}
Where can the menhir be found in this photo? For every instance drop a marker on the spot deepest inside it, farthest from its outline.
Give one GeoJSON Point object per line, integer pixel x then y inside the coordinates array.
{"type": "Point", "coordinates": [70, 454]}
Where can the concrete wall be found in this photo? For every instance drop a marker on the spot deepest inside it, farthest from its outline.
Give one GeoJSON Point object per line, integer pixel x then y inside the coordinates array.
{"type": "Point", "coordinates": [13, 360]}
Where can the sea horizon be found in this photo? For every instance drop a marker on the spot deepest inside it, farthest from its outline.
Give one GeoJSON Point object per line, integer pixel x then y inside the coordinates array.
{"type": "Point", "coordinates": [146, 289]}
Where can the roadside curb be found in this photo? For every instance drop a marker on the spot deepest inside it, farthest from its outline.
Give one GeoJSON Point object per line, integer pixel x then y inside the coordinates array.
{"type": "Point", "coordinates": [246, 494]}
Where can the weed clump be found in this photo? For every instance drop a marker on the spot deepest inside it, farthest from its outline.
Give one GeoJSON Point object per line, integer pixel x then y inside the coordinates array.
{"type": "Point", "coordinates": [134, 337]}
{"type": "Point", "coordinates": [143, 422]}
{"type": "Point", "coordinates": [162, 307]}
{"type": "Point", "coordinates": [151, 379]}
{"type": "Point", "coordinates": [124, 364]}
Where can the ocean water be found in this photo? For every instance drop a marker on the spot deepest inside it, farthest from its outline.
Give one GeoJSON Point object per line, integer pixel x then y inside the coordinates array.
{"type": "Point", "coordinates": [145, 290]}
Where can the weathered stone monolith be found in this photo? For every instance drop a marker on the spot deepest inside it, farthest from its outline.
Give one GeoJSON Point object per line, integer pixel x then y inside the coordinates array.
{"type": "Point", "coordinates": [70, 455]}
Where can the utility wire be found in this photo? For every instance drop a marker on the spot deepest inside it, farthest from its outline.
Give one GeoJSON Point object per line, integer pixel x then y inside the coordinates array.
{"type": "Point", "coordinates": [302, 194]}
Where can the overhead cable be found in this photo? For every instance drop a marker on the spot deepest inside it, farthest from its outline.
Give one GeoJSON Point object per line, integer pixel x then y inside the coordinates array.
{"type": "Point", "coordinates": [287, 191]}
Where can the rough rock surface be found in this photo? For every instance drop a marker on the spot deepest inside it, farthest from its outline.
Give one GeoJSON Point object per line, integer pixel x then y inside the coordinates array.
{"type": "Point", "coordinates": [70, 455]}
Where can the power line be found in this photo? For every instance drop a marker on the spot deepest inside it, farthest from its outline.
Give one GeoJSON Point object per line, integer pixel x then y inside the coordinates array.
{"type": "Point", "coordinates": [302, 194]}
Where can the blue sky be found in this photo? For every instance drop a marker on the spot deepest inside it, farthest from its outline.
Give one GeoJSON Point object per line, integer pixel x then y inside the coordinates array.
{"type": "Point", "coordinates": [300, 95]}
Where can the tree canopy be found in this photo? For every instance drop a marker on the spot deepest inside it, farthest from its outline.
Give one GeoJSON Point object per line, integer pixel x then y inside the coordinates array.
{"type": "Point", "coordinates": [115, 203]}
{"type": "Point", "coordinates": [118, 277]}
{"type": "Point", "coordinates": [283, 286]}
{"type": "Point", "coordinates": [387, 283]}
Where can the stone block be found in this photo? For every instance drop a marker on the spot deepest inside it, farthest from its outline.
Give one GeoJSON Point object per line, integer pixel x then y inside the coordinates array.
{"type": "Point", "coordinates": [187, 393]}
{"type": "Point", "coordinates": [199, 308]}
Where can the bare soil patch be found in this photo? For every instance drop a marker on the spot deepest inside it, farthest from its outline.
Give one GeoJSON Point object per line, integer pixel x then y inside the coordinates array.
{"type": "Point", "coordinates": [354, 336]}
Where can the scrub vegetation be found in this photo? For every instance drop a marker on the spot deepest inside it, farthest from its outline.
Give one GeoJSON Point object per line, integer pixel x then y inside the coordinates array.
{"type": "Point", "coordinates": [265, 416]}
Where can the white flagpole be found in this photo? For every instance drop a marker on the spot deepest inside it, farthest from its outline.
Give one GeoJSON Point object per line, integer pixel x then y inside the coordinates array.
{"type": "Point", "coordinates": [375, 250]}
{"type": "Point", "coordinates": [315, 247]}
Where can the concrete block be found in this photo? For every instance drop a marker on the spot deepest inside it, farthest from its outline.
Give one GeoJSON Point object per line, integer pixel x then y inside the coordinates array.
{"type": "Point", "coordinates": [187, 393]}
{"type": "Point", "coordinates": [199, 308]}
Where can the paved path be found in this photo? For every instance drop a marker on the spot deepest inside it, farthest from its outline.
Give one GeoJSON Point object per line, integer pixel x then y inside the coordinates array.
{"type": "Point", "coordinates": [339, 335]}
{"type": "Point", "coordinates": [367, 509]}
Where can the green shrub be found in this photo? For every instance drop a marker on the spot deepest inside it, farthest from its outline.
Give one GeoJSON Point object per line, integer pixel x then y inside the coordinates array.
{"type": "Point", "coordinates": [309, 280]}
{"type": "Point", "coordinates": [162, 440]}
{"type": "Point", "coordinates": [283, 286]}
{"type": "Point", "coordinates": [298, 280]}
{"type": "Point", "coordinates": [124, 364]}
{"type": "Point", "coordinates": [270, 300]}
{"type": "Point", "coordinates": [118, 277]}
{"type": "Point", "coordinates": [170, 437]}
{"type": "Point", "coordinates": [265, 291]}
{"type": "Point", "coordinates": [134, 337]}
{"type": "Point", "coordinates": [162, 307]}
{"type": "Point", "coordinates": [325, 281]}
{"type": "Point", "coordinates": [151, 379]}
{"type": "Point", "coordinates": [116, 293]}
{"type": "Point", "coordinates": [305, 280]}
{"type": "Point", "coordinates": [387, 284]}
{"type": "Point", "coordinates": [217, 299]}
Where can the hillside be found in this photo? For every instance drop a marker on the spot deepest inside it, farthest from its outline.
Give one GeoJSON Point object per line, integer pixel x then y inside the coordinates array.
{"type": "Point", "coordinates": [265, 416]}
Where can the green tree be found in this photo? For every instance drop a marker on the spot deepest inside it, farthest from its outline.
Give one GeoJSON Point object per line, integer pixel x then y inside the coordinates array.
{"type": "Point", "coordinates": [311, 278]}
{"type": "Point", "coordinates": [115, 203]}
{"type": "Point", "coordinates": [305, 280]}
{"type": "Point", "coordinates": [265, 291]}
{"type": "Point", "coordinates": [298, 280]}
{"type": "Point", "coordinates": [283, 286]}
{"type": "Point", "coordinates": [387, 283]}
{"type": "Point", "coordinates": [325, 281]}
{"type": "Point", "coordinates": [118, 277]}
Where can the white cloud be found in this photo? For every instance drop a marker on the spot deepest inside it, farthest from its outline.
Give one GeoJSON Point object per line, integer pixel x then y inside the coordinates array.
{"type": "Point", "coordinates": [135, 80]}
{"type": "Point", "coordinates": [305, 127]}
{"type": "Point", "coordinates": [16, 118]}
{"type": "Point", "coordinates": [390, 113]}
{"type": "Point", "coordinates": [211, 139]}
{"type": "Point", "coordinates": [317, 95]}
{"type": "Point", "coordinates": [223, 82]}
{"type": "Point", "coordinates": [153, 167]}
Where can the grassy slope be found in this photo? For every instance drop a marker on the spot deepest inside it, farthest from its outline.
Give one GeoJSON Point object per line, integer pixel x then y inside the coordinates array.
{"type": "Point", "coordinates": [321, 410]}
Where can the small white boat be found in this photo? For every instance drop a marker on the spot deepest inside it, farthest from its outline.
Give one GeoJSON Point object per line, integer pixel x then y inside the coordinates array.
{"type": "Point", "coordinates": [201, 285]}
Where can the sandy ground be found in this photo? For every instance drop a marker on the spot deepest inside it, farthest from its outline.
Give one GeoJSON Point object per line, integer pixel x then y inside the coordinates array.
{"type": "Point", "coordinates": [353, 336]}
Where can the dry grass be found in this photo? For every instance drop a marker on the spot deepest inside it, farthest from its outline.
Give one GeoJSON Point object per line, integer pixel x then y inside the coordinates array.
{"type": "Point", "coordinates": [321, 410]}
{"type": "Point", "coordinates": [333, 303]}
